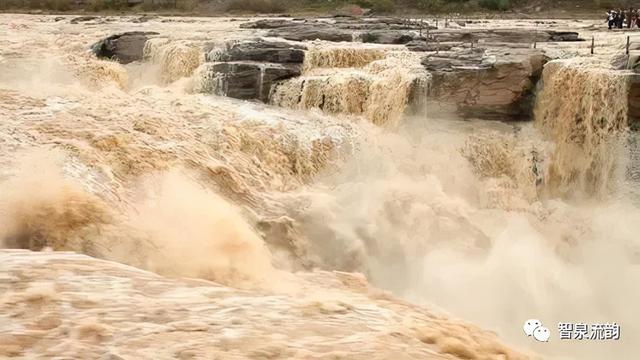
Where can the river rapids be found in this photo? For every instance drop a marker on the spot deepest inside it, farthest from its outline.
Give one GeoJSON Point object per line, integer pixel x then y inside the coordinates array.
{"type": "Point", "coordinates": [493, 222]}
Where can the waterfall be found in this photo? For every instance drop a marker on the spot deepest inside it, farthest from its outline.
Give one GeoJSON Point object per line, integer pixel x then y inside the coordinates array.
{"type": "Point", "coordinates": [584, 111]}
{"type": "Point", "coordinates": [176, 59]}
{"type": "Point", "coordinates": [379, 84]}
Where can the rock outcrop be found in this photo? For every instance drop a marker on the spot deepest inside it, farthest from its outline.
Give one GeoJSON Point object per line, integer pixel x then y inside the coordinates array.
{"type": "Point", "coordinates": [259, 50]}
{"type": "Point", "coordinates": [399, 31]}
{"type": "Point", "coordinates": [125, 48]}
{"type": "Point", "coordinates": [59, 305]}
{"type": "Point", "coordinates": [525, 36]}
{"type": "Point", "coordinates": [248, 69]}
{"type": "Point", "coordinates": [633, 101]}
{"type": "Point", "coordinates": [81, 19]}
{"type": "Point", "coordinates": [245, 80]}
{"type": "Point", "coordinates": [346, 22]}
{"type": "Point", "coordinates": [485, 83]}
{"type": "Point", "coordinates": [371, 30]}
{"type": "Point", "coordinates": [312, 32]}
{"type": "Point", "coordinates": [268, 24]}
{"type": "Point", "coordinates": [388, 37]}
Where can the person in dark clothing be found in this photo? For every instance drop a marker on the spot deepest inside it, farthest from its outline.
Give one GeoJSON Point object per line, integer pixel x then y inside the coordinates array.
{"type": "Point", "coordinates": [629, 17]}
{"type": "Point", "coordinates": [620, 18]}
{"type": "Point", "coordinates": [611, 18]}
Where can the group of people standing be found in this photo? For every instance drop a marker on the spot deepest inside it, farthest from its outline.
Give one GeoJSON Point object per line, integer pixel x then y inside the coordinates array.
{"type": "Point", "coordinates": [623, 18]}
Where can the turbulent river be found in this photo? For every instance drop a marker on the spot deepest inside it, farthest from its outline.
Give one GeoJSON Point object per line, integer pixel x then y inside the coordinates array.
{"type": "Point", "coordinates": [494, 222]}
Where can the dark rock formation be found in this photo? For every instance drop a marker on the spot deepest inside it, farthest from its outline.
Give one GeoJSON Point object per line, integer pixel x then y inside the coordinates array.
{"type": "Point", "coordinates": [279, 23]}
{"type": "Point", "coordinates": [312, 32]}
{"type": "Point", "coordinates": [633, 100]}
{"type": "Point", "coordinates": [270, 23]}
{"type": "Point", "coordinates": [246, 80]}
{"type": "Point", "coordinates": [80, 19]}
{"type": "Point", "coordinates": [259, 50]}
{"type": "Point", "coordinates": [387, 37]}
{"type": "Point", "coordinates": [563, 36]}
{"type": "Point", "coordinates": [247, 69]}
{"type": "Point", "coordinates": [125, 48]}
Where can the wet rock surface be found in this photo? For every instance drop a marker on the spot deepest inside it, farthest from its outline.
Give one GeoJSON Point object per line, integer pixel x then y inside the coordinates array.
{"type": "Point", "coordinates": [485, 83]}
{"type": "Point", "coordinates": [387, 37]}
{"type": "Point", "coordinates": [247, 69]}
{"type": "Point", "coordinates": [259, 50]}
{"type": "Point", "coordinates": [246, 80]}
{"type": "Point", "coordinates": [125, 48]}
{"type": "Point", "coordinates": [81, 19]}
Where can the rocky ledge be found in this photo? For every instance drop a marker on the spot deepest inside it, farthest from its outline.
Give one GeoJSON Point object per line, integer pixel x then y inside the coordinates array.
{"type": "Point", "coordinates": [124, 48]}
{"type": "Point", "coordinates": [485, 83]}
{"type": "Point", "coordinates": [247, 69]}
{"type": "Point", "coordinates": [398, 31]}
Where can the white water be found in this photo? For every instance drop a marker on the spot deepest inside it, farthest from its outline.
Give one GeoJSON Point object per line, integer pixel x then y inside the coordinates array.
{"type": "Point", "coordinates": [439, 211]}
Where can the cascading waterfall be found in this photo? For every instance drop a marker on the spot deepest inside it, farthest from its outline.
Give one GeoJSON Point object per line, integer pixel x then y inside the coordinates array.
{"type": "Point", "coordinates": [336, 93]}
{"type": "Point", "coordinates": [584, 111]}
{"type": "Point", "coordinates": [377, 83]}
{"type": "Point", "coordinates": [342, 56]}
{"type": "Point", "coordinates": [176, 59]}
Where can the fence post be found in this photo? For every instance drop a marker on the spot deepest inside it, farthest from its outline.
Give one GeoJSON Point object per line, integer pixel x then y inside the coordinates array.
{"type": "Point", "coordinates": [628, 43]}
{"type": "Point", "coordinates": [593, 42]}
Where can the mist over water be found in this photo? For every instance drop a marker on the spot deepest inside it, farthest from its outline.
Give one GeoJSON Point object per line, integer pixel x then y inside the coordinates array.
{"type": "Point", "coordinates": [411, 213]}
{"type": "Point", "coordinates": [495, 223]}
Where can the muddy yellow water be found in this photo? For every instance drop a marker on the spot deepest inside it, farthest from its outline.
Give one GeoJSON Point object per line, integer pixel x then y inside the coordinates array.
{"type": "Point", "coordinates": [128, 163]}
